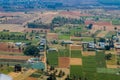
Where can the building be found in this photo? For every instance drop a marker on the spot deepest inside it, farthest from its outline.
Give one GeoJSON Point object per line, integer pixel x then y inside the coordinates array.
{"type": "Point", "coordinates": [5, 77]}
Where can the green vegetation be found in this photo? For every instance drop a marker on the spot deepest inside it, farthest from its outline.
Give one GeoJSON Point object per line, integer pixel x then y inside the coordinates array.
{"type": "Point", "coordinates": [76, 54]}
{"type": "Point", "coordinates": [6, 69]}
{"type": "Point", "coordinates": [52, 58]}
{"type": "Point", "coordinates": [89, 64]}
{"type": "Point", "coordinates": [100, 58]}
{"type": "Point", "coordinates": [76, 70]}
{"type": "Point", "coordinates": [64, 53]}
{"type": "Point", "coordinates": [116, 22]}
{"type": "Point", "coordinates": [107, 70]}
{"type": "Point", "coordinates": [110, 34]}
{"type": "Point", "coordinates": [87, 39]}
{"type": "Point", "coordinates": [60, 21]}
{"type": "Point", "coordinates": [12, 36]}
{"type": "Point", "coordinates": [64, 37]}
{"type": "Point", "coordinates": [37, 74]}
{"type": "Point", "coordinates": [31, 50]}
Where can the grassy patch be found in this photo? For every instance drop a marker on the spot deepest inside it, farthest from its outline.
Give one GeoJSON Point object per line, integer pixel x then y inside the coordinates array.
{"type": "Point", "coordinates": [87, 39]}
{"type": "Point", "coordinates": [76, 54]}
{"type": "Point", "coordinates": [112, 61]}
{"type": "Point", "coordinates": [52, 58]}
{"type": "Point", "coordinates": [6, 70]}
{"type": "Point", "coordinates": [110, 33]}
{"type": "Point", "coordinates": [89, 64]}
{"type": "Point", "coordinates": [64, 37]}
{"type": "Point", "coordinates": [76, 70]}
{"type": "Point", "coordinates": [64, 53]}
{"type": "Point", "coordinates": [100, 58]}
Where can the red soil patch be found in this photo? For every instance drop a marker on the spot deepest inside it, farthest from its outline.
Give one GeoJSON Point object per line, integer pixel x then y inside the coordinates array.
{"type": "Point", "coordinates": [64, 62]}
{"type": "Point", "coordinates": [36, 30]}
{"type": "Point", "coordinates": [4, 47]}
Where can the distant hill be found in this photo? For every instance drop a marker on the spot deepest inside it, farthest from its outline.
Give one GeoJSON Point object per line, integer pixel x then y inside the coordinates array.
{"type": "Point", "coordinates": [110, 2]}
{"type": "Point", "coordinates": [22, 5]}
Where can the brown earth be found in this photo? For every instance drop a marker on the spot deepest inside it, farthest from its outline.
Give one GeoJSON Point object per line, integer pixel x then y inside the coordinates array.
{"type": "Point", "coordinates": [63, 62]}
{"type": "Point", "coordinates": [51, 36]}
{"type": "Point", "coordinates": [4, 47]}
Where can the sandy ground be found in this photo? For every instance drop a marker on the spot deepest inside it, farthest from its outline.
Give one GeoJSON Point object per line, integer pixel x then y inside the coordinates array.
{"type": "Point", "coordinates": [76, 47]}
{"type": "Point", "coordinates": [63, 62]}
{"type": "Point", "coordinates": [75, 61]}
{"type": "Point", "coordinates": [72, 14]}
{"type": "Point", "coordinates": [111, 66]}
{"type": "Point", "coordinates": [21, 76]}
{"type": "Point", "coordinates": [88, 53]}
{"type": "Point", "coordinates": [11, 27]}
{"type": "Point", "coordinates": [112, 52]}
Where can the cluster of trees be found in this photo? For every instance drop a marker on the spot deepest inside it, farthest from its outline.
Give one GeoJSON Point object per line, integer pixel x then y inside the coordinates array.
{"type": "Point", "coordinates": [12, 37]}
{"type": "Point", "coordinates": [77, 34]}
{"type": "Point", "coordinates": [31, 50]}
{"type": "Point", "coordinates": [59, 21]}
{"type": "Point", "coordinates": [108, 56]}
{"type": "Point", "coordinates": [38, 25]}
{"type": "Point", "coordinates": [53, 75]}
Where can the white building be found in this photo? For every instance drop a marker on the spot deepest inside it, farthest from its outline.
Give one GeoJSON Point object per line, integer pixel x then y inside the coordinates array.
{"type": "Point", "coordinates": [5, 77]}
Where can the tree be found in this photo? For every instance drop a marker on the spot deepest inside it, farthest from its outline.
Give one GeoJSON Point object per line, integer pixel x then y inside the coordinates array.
{"type": "Point", "coordinates": [115, 28]}
{"type": "Point", "coordinates": [104, 28]}
{"type": "Point", "coordinates": [108, 56]}
{"type": "Point", "coordinates": [31, 50]}
{"type": "Point", "coordinates": [52, 77]}
{"type": "Point", "coordinates": [67, 78]}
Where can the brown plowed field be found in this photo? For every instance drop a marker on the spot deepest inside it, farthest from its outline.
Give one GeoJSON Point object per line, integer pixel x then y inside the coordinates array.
{"type": "Point", "coordinates": [4, 47]}
{"type": "Point", "coordinates": [64, 62]}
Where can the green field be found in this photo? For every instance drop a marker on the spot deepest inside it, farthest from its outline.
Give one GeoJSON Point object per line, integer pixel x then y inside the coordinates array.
{"type": "Point", "coordinates": [76, 54]}
{"type": "Point", "coordinates": [100, 59]}
{"type": "Point", "coordinates": [110, 34]}
{"type": "Point", "coordinates": [64, 53]}
{"type": "Point", "coordinates": [94, 68]}
{"type": "Point", "coordinates": [64, 37]}
{"type": "Point", "coordinates": [87, 39]}
{"type": "Point", "coordinates": [6, 70]}
{"type": "Point", "coordinates": [52, 58]}
{"type": "Point", "coordinates": [76, 70]}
